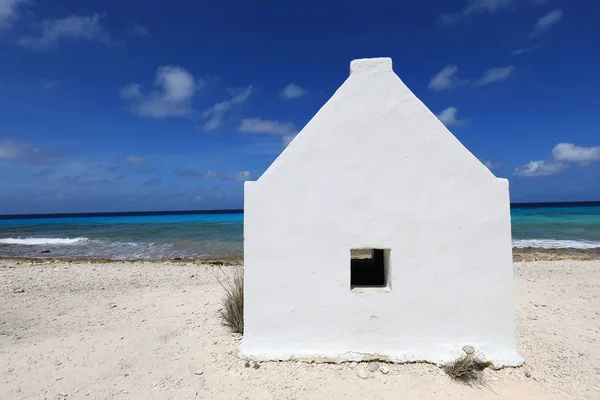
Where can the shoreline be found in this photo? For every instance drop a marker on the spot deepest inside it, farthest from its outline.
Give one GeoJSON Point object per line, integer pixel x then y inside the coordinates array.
{"type": "Point", "coordinates": [519, 254]}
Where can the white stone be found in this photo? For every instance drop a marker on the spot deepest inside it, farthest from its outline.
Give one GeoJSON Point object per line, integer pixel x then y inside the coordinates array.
{"type": "Point", "coordinates": [362, 374]}
{"type": "Point", "coordinates": [374, 366]}
{"type": "Point", "coordinates": [384, 369]}
{"type": "Point", "coordinates": [375, 169]}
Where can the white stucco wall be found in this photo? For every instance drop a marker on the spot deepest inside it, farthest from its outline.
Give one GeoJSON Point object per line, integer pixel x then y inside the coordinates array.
{"type": "Point", "coordinates": [375, 168]}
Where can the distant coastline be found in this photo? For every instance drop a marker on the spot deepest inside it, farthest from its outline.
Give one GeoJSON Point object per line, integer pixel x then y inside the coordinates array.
{"type": "Point", "coordinates": [241, 211]}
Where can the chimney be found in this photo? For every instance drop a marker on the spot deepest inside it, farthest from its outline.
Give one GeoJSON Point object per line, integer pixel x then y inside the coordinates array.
{"type": "Point", "coordinates": [370, 65]}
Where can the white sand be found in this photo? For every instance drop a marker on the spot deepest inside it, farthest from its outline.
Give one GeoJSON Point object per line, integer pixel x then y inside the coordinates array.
{"type": "Point", "coordinates": [151, 331]}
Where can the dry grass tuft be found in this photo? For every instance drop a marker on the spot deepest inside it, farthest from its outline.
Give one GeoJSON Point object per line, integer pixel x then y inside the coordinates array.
{"type": "Point", "coordinates": [232, 313]}
{"type": "Point", "coordinates": [466, 368]}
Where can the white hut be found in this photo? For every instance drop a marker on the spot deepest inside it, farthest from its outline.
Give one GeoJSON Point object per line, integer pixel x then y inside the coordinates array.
{"type": "Point", "coordinates": [376, 171]}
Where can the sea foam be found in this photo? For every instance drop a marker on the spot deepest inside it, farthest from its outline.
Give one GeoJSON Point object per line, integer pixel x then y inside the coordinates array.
{"type": "Point", "coordinates": [555, 244]}
{"type": "Point", "coordinates": [42, 241]}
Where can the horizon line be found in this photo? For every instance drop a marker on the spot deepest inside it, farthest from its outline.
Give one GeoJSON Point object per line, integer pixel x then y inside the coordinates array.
{"type": "Point", "coordinates": [239, 210]}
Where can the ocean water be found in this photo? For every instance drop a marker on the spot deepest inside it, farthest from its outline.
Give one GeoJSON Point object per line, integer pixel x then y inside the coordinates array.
{"type": "Point", "coordinates": [211, 235]}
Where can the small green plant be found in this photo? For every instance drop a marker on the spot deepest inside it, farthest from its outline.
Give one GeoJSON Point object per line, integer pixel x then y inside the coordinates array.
{"type": "Point", "coordinates": [232, 313]}
{"type": "Point", "coordinates": [467, 367]}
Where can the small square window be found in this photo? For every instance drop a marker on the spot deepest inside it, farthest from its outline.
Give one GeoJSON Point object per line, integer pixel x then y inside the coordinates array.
{"type": "Point", "coordinates": [369, 268]}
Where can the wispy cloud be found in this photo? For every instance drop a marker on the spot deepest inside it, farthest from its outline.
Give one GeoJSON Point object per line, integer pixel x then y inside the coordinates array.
{"type": "Point", "coordinates": [49, 85]}
{"type": "Point", "coordinates": [9, 12]}
{"type": "Point", "coordinates": [217, 175]}
{"type": "Point", "coordinates": [292, 91]}
{"type": "Point", "coordinates": [72, 28]}
{"type": "Point", "coordinates": [492, 165]}
{"type": "Point", "coordinates": [259, 125]}
{"type": "Point", "coordinates": [446, 79]}
{"type": "Point", "coordinates": [147, 171]}
{"type": "Point", "coordinates": [495, 75]}
{"type": "Point", "coordinates": [141, 31]}
{"type": "Point", "coordinates": [216, 113]}
{"type": "Point", "coordinates": [152, 182]}
{"type": "Point", "coordinates": [88, 179]}
{"type": "Point", "coordinates": [25, 152]}
{"type": "Point", "coordinates": [287, 139]}
{"type": "Point", "coordinates": [188, 173]}
{"type": "Point", "coordinates": [564, 156]}
{"type": "Point", "coordinates": [135, 159]}
{"type": "Point", "coordinates": [476, 7]}
{"type": "Point", "coordinates": [242, 176]}
{"type": "Point", "coordinates": [449, 117]}
{"type": "Point", "coordinates": [172, 97]}
{"type": "Point", "coordinates": [546, 22]}
{"type": "Point", "coordinates": [526, 49]}
{"type": "Point", "coordinates": [43, 173]}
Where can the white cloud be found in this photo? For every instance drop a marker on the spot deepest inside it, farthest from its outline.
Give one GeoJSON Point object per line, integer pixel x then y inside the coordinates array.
{"type": "Point", "coordinates": [216, 113]}
{"type": "Point", "coordinates": [449, 117]}
{"type": "Point", "coordinates": [258, 125]}
{"type": "Point", "coordinates": [141, 31]}
{"type": "Point", "coordinates": [175, 88]}
{"type": "Point", "coordinates": [540, 168]}
{"type": "Point", "coordinates": [495, 75]}
{"type": "Point", "coordinates": [19, 151]}
{"type": "Point", "coordinates": [564, 156]}
{"type": "Point", "coordinates": [72, 28]}
{"type": "Point", "coordinates": [568, 152]}
{"type": "Point", "coordinates": [135, 159]}
{"type": "Point", "coordinates": [242, 176]}
{"type": "Point", "coordinates": [445, 79]}
{"type": "Point", "coordinates": [49, 85]}
{"type": "Point", "coordinates": [546, 22]}
{"type": "Point", "coordinates": [9, 11]}
{"type": "Point", "coordinates": [292, 91]}
{"type": "Point", "coordinates": [475, 7]}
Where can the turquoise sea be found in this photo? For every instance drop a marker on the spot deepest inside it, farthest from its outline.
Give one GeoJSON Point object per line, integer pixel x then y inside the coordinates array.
{"type": "Point", "coordinates": [219, 234]}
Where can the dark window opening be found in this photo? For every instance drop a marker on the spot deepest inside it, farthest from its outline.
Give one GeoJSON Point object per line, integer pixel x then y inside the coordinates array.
{"type": "Point", "coordinates": [368, 268]}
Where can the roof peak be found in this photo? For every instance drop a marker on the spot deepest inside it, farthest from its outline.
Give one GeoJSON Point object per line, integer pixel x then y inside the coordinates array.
{"type": "Point", "coordinates": [370, 65]}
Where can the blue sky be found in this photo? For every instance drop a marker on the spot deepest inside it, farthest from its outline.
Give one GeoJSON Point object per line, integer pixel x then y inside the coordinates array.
{"type": "Point", "coordinates": [157, 105]}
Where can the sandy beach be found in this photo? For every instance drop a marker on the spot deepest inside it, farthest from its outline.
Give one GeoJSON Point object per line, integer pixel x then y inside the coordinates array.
{"type": "Point", "coordinates": [150, 330]}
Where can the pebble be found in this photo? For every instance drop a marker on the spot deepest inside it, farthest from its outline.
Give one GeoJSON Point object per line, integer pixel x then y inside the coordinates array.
{"type": "Point", "coordinates": [19, 290]}
{"type": "Point", "coordinates": [62, 394]}
{"type": "Point", "coordinates": [353, 364]}
{"type": "Point", "coordinates": [112, 305]}
{"type": "Point", "coordinates": [198, 372]}
{"type": "Point", "coordinates": [362, 374]}
{"type": "Point", "coordinates": [374, 366]}
{"type": "Point", "coordinates": [384, 369]}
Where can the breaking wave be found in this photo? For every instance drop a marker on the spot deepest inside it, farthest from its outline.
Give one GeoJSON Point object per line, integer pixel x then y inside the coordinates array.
{"type": "Point", "coordinates": [42, 241]}
{"type": "Point", "coordinates": [555, 244]}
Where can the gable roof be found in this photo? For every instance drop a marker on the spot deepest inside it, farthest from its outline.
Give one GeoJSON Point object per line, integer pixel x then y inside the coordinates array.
{"type": "Point", "coordinates": [373, 109]}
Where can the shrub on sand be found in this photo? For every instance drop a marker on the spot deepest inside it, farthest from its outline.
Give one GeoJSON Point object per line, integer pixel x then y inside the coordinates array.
{"type": "Point", "coordinates": [232, 313]}
{"type": "Point", "coordinates": [467, 367]}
